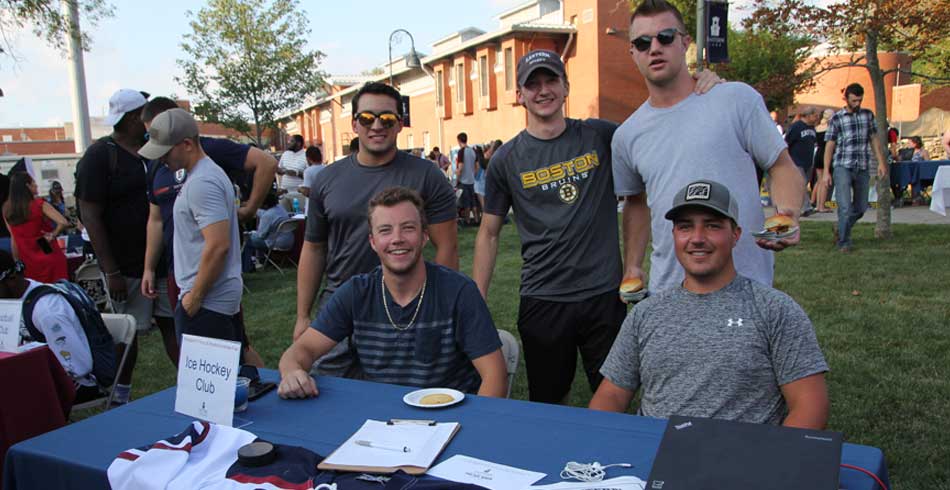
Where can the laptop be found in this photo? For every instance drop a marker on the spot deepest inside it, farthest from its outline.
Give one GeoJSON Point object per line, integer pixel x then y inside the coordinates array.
{"type": "Point", "coordinates": [699, 454]}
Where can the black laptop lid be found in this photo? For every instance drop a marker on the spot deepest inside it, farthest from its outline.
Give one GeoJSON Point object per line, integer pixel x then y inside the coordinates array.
{"type": "Point", "coordinates": [699, 454]}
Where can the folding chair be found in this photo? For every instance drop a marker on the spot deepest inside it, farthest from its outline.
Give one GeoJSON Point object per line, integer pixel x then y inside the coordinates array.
{"type": "Point", "coordinates": [511, 353]}
{"type": "Point", "coordinates": [289, 226]}
{"type": "Point", "coordinates": [122, 329]}
{"type": "Point", "coordinates": [90, 278]}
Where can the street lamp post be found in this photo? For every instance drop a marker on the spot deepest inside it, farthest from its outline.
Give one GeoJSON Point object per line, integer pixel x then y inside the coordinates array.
{"type": "Point", "coordinates": [412, 62]}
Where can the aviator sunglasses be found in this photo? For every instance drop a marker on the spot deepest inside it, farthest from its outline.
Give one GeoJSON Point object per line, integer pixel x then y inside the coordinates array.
{"type": "Point", "coordinates": [387, 119]}
{"type": "Point", "coordinates": [666, 37]}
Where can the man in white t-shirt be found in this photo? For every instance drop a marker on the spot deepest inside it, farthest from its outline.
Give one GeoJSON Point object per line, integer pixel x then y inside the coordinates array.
{"type": "Point", "coordinates": [676, 137]}
{"type": "Point", "coordinates": [293, 163]}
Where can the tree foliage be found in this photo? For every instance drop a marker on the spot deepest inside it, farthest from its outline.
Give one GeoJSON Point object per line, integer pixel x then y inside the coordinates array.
{"type": "Point", "coordinates": [246, 62]}
{"type": "Point", "coordinates": [861, 28]}
{"type": "Point", "coordinates": [776, 64]}
{"type": "Point", "coordinates": [48, 21]}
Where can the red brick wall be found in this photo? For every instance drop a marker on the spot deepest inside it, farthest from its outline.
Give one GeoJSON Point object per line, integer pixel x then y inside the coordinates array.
{"type": "Point", "coordinates": [37, 147]}
{"type": "Point", "coordinates": [35, 134]}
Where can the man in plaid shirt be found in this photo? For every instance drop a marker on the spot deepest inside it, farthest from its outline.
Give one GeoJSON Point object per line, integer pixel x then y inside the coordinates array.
{"type": "Point", "coordinates": [849, 141]}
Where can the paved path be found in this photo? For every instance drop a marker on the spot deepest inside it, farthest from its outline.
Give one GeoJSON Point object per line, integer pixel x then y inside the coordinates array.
{"type": "Point", "coordinates": [907, 215]}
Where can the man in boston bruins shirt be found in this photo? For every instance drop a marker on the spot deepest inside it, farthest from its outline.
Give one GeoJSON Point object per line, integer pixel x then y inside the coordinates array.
{"type": "Point", "coordinates": [556, 175]}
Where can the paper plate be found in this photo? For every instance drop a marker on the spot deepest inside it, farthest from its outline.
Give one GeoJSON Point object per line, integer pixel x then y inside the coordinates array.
{"type": "Point", "coordinates": [772, 236]}
{"type": "Point", "coordinates": [634, 297]}
{"type": "Point", "coordinates": [415, 398]}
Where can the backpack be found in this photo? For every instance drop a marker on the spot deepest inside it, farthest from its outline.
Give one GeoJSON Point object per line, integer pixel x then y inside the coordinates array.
{"type": "Point", "coordinates": [101, 345]}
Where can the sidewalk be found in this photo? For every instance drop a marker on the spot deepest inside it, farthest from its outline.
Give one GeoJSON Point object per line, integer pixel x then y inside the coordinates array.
{"type": "Point", "coordinates": [918, 215]}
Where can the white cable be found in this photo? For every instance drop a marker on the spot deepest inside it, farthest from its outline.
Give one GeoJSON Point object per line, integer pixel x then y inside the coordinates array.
{"type": "Point", "coordinates": [588, 472]}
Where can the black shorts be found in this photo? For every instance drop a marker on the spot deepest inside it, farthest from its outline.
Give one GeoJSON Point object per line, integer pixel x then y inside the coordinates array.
{"type": "Point", "coordinates": [467, 199]}
{"type": "Point", "coordinates": [552, 333]}
{"type": "Point", "coordinates": [207, 323]}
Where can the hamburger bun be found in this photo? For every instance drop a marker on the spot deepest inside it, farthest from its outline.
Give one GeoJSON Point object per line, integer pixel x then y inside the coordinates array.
{"type": "Point", "coordinates": [779, 223]}
{"type": "Point", "coordinates": [631, 285]}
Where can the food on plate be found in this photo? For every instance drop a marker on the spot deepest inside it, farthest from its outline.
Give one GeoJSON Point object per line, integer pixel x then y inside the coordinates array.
{"type": "Point", "coordinates": [436, 399]}
{"type": "Point", "coordinates": [779, 224]}
{"type": "Point", "coordinates": [631, 285]}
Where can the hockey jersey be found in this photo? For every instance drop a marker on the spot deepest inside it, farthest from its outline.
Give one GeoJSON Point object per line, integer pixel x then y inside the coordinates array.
{"type": "Point", "coordinates": [204, 457]}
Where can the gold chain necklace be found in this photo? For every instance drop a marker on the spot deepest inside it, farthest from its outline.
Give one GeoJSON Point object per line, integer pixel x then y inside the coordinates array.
{"type": "Point", "coordinates": [422, 295]}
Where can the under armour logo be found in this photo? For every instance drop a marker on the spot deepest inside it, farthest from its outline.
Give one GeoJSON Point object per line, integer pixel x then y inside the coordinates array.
{"type": "Point", "coordinates": [734, 323]}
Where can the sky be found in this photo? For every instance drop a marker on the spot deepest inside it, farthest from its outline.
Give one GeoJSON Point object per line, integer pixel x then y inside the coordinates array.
{"type": "Point", "coordinates": [138, 48]}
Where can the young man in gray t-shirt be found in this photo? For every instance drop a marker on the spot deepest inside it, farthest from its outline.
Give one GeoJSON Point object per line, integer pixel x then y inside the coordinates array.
{"type": "Point", "coordinates": [719, 345]}
{"type": "Point", "coordinates": [335, 243]}
{"type": "Point", "coordinates": [676, 137]}
{"type": "Point", "coordinates": [207, 251]}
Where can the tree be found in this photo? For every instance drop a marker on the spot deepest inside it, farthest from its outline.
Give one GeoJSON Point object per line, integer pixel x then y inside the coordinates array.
{"type": "Point", "coordinates": [776, 64]}
{"type": "Point", "coordinates": [862, 27]}
{"type": "Point", "coordinates": [246, 62]}
{"type": "Point", "coordinates": [768, 58]}
{"type": "Point", "coordinates": [48, 21]}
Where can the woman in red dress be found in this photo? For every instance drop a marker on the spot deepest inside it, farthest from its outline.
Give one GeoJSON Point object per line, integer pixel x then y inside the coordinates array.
{"type": "Point", "coordinates": [34, 238]}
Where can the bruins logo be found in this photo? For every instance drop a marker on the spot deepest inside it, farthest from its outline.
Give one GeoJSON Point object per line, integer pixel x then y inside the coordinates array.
{"type": "Point", "coordinates": [568, 193]}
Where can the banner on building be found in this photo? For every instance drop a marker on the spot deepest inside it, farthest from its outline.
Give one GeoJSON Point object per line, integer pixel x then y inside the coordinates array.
{"type": "Point", "coordinates": [405, 111]}
{"type": "Point", "coordinates": [906, 103]}
{"type": "Point", "coordinates": [717, 31]}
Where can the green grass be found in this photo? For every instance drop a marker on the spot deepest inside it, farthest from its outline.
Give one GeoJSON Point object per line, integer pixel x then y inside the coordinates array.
{"type": "Point", "coordinates": [882, 315]}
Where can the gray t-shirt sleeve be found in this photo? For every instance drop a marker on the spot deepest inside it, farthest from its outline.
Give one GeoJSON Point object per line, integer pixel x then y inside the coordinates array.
{"type": "Point", "coordinates": [622, 366]}
{"type": "Point", "coordinates": [497, 193]}
{"type": "Point", "coordinates": [318, 227]}
{"type": "Point", "coordinates": [627, 180]}
{"type": "Point", "coordinates": [208, 199]}
{"type": "Point", "coordinates": [792, 339]}
{"type": "Point", "coordinates": [760, 139]}
{"type": "Point", "coordinates": [439, 197]}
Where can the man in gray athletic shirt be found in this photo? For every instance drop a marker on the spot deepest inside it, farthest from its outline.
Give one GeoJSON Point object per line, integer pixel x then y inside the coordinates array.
{"type": "Point", "coordinates": [676, 137]}
{"type": "Point", "coordinates": [720, 345]}
{"type": "Point", "coordinates": [335, 242]}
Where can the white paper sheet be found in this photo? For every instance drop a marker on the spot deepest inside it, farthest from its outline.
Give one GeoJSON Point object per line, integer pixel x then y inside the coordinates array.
{"type": "Point", "coordinates": [424, 443]}
{"type": "Point", "coordinates": [465, 469]}
{"type": "Point", "coordinates": [619, 483]}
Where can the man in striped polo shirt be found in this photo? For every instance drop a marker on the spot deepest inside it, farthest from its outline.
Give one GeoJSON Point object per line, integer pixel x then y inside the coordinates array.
{"type": "Point", "coordinates": [409, 322]}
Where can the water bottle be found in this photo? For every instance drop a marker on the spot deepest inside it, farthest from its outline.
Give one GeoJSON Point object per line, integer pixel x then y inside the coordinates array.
{"type": "Point", "coordinates": [296, 206]}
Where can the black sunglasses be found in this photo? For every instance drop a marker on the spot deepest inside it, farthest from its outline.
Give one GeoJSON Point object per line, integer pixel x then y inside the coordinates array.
{"type": "Point", "coordinates": [387, 119]}
{"type": "Point", "coordinates": [666, 37]}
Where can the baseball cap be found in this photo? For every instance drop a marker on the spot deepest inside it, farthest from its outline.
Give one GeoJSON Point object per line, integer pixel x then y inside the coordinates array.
{"type": "Point", "coordinates": [707, 194]}
{"type": "Point", "coordinates": [168, 129]}
{"type": "Point", "coordinates": [539, 58]}
{"type": "Point", "coordinates": [125, 100]}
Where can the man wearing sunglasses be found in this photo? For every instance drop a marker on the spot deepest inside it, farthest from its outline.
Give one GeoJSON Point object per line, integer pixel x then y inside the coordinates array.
{"type": "Point", "coordinates": [556, 176]}
{"type": "Point", "coordinates": [335, 242]}
{"type": "Point", "coordinates": [675, 138]}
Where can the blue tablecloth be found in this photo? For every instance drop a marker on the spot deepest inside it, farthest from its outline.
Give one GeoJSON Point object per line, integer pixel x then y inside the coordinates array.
{"type": "Point", "coordinates": [526, 435]}
{"type": "Point", "coordinates": [911, 173]}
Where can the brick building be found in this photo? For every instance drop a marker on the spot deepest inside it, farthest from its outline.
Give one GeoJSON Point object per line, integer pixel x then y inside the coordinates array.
{"type": "Point", "coordinates": [59, 139]}
{"type": "Point", "coordinates": [468, 82]}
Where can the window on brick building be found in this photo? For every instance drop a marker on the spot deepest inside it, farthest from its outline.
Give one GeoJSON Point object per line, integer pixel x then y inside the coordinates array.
{"type": "Point", "coordinates": [483, 76]}
{"type": "Point", "coordinates": [509, 69]}
{"type": "Point", "coordinates": [438, 89]}
{"type": "Point", "coordinates": [460, 83]}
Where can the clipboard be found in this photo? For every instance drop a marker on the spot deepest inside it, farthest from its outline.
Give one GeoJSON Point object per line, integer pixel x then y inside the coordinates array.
{"type": "Point", "coordinates": [427, 440]}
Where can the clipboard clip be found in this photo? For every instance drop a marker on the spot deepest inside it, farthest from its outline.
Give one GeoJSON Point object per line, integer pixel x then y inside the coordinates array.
{"type": "Point", "coordinates": [429, 423]}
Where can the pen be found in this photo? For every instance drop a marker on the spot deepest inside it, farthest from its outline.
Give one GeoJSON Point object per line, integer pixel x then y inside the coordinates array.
{"type": "Point", "coordinates": [404, 449]}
